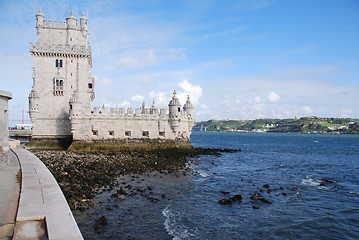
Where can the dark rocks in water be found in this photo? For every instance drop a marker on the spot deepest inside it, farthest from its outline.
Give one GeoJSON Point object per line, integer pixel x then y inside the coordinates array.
{"type": "Point", "coordinates": [231, 200]}
{"type": "Point", "coordinates": [82, 174]}
{"type": "Point", "coordinates": [284, 194]}
{"type": "Point", "coordinates": [121, 191]}
{"type": "Point", "coordinates": [163, 196]}
{"type": "Point", "coordinates": [293, 189]}
{"type": "Point", "coordinates": [255, 196]}
{"type": "Point", "coordinates": [255, 207]}
{"type": "Point", "coordinates": [100, 223]}
{"type": "Point", "coordinates": [266, 186]}
{"type": "Point", "coordinates": [237, 198]}
{"type": "Point", "coordinates": [265, 200]}
{"type": "Point", "coordinates": [225, 201]}
{"type": "Point", "coordinates": [325, 181]}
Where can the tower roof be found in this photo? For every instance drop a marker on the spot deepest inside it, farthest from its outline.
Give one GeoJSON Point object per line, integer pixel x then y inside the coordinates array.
{"type": "Point", "coordinates": [40, 13]}
{"type": "Point", "coordinates": [188, 104]}
{"type": "Point", "coordinates": [174, 101]}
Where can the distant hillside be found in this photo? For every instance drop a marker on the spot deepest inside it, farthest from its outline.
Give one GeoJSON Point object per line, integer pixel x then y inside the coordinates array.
{"type": "Point", "coordinates": [301, 125]}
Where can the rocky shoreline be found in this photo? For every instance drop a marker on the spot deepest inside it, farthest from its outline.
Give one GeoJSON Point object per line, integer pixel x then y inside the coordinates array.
{"type": "Point", "coordinates": [82, 175]}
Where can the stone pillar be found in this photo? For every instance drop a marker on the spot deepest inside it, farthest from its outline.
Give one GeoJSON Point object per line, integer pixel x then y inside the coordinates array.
{"type": "Point", "coordinates": [4, 120]}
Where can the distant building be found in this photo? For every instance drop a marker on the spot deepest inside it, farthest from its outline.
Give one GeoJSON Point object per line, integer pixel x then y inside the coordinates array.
{"type": "Point", "coordinates": [4, 120]}
{"type": "Point", "coordinates": [63, 90]}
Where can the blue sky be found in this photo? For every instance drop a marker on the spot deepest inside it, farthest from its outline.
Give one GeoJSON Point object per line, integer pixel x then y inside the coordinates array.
{"type": "Point", "coordinates": [238, 59]}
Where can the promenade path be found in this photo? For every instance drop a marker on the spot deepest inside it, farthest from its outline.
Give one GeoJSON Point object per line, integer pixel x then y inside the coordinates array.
{"type": "Point", "coordinates": [36, 208]}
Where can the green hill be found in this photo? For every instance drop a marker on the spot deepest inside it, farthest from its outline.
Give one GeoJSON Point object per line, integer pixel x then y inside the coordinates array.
{"type": "Point", "coordinates": [301, 125]}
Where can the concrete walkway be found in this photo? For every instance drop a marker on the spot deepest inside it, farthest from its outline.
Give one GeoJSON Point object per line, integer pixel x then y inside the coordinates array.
{"type": "Point", "coordinates": [10, 178]}
{"type": "Point", "coordinates": [42, 212]}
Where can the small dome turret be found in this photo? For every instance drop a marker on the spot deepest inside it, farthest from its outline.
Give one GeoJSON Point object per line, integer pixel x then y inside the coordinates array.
{"type": "Point", "coordinates": [188, 104]}
{"type": "Point", "coordinates": [188, 108]}
{"type": "Point", "coordinates": [40, 18]}
{"type": "Point", "coordinates": [71, 21]}
{"type": "Point", "coordinates": [153, 109]}
{"type": "Point", "coordinates": [174, 106]}
{"type": "Point", "coordinates": [83, 22]}
{"type": "Point", "coordinates": [174, 101]}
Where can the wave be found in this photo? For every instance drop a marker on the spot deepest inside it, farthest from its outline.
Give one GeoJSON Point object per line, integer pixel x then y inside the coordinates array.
{"type": "Point", "coordinates": [319, 183]}
{"type": "Point", "coordinates": [311, 182]}
{"type": "Point", "coordinates": [174, 227]}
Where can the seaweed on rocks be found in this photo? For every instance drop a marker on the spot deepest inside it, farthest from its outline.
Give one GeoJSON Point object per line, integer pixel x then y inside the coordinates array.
{"type": "Point", "coordinates": [81, 175]}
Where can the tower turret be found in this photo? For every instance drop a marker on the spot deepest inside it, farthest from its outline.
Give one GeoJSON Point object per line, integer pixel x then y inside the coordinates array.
{"type": "Point", "coordinates": [75, 106]}
{"type": "Point", "coordinates": [40, 18]}
{"type": "Point", "coordinates": [83, 22]}
{"type": "Point", "coordinates": [188, 109]}
{"type": "Point", "coordinates": [71, 21]}
{"type": "Point", "coordinates": [174, 113]}
{"type": "Point", "coordinates": [174, 106]}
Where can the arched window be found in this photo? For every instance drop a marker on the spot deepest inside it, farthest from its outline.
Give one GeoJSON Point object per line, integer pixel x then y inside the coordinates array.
{"type": "Point", "coordinates": [57, 63]}
{"type": "Point", "coordinates": [60, 63]}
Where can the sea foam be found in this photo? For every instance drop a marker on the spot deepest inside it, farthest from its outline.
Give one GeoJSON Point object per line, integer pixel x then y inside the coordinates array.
{"type": "Point", "coordinates": [174, 227]}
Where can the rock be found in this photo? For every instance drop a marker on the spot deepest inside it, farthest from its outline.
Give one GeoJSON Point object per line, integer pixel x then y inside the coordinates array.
{"type": "Point", "coordinates": [121, 191]}
{"type": "Point", "coordinates": [163, 195]}
{"type": "Point", "coordinates": [225, 201]}
{"type": "Point", "coordinates": [265, 200]}
{"type": "Point", "coordinates": [121, 197]}
{"type": "Point", "coordinates": [255, 196]}
{"type": "Point", "coordinates": [266, 186]}
{"type": "Point", "coordinates": [100, 223]}
{"type": "Point", "coordinates": [255, 207]}
{"type": "Point", "coordinates": [293, 189]}
{"type": "Point", "coordinates": [237, 198]}
{"type": "Point", "coordinates": [284, 194]}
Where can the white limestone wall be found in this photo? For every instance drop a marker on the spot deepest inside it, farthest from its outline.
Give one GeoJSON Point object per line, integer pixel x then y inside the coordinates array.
{"type": "Point", "coordinates": [49, 104]}
{"type": "Point", "coordinates": [105, 127]}
{"type": "Point", "coordinates": [4, 118]}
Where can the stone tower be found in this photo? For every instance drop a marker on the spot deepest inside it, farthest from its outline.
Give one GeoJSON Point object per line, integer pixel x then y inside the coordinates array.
{"type": "Point", "coordinates": [61, 75]}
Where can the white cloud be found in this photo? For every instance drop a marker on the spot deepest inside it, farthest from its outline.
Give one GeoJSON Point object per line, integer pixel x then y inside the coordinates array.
{"type": "Point", "coordinates": [257, 99]}
{"type": "Point", "coordinates": [273, 97]}
{"type": "Point", "coordinates": [161, 98]}
{"type": "Point", "coordinates": [194, 91]}
{"type": "Point", "coordinates": [137, 98]}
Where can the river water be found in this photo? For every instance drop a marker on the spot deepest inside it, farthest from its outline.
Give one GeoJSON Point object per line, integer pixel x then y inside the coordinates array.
{"type": "Point", "coordinates": [313, 190]}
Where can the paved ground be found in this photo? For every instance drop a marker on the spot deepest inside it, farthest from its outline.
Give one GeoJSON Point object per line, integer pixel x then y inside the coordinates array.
{"type": "Point", "coordinates": [39, 210]}
{"type": "Point", "coordinates": [9, 193]}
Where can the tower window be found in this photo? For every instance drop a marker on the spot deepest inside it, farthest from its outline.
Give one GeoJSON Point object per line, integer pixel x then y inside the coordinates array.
{"type": "Point", "coordinates": [58, 63]}
{"type": "Point", "coordinates": [179, 109]}
{"type": "Point", "coordinates": [58, 87]}
{"type": "Point", "coordinates": [111, 133]}
{"type": "Point", "coordinates": [90, 85]}
{"type": "Point", "coordinates": [145, 133]}
{"type": "Point", "coordinates": [95, 132]}
{"type": "Point", "coordinates": [128, 133]}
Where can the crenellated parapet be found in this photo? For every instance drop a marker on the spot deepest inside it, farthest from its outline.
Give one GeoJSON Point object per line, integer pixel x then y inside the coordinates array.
{"type": "Point", "coordinates": [60, 50]}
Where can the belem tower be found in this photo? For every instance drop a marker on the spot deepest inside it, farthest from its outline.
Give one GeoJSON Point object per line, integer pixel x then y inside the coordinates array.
{"type": "Point", "coordinates": [63, 90]}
